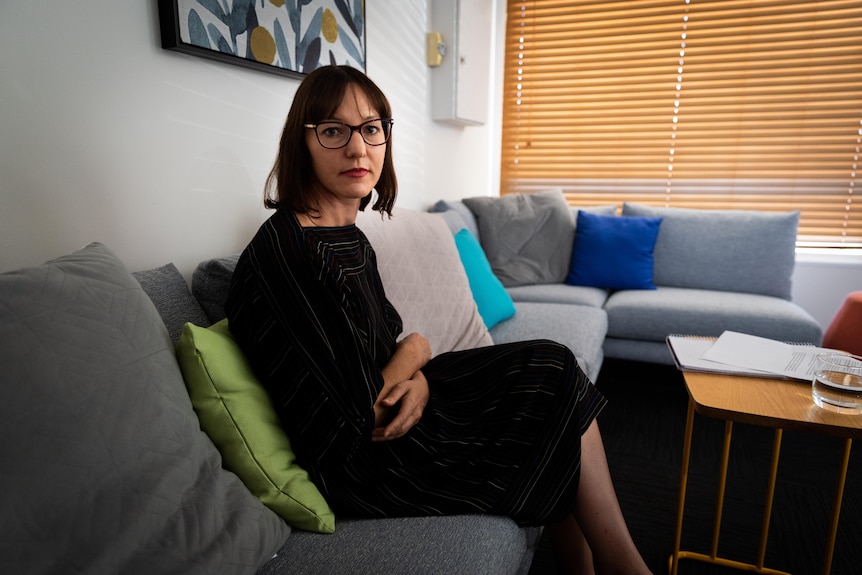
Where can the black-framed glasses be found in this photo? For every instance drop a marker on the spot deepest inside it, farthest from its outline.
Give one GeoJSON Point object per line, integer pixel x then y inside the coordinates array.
{"type": "Point", "coordinates": [334, 135]}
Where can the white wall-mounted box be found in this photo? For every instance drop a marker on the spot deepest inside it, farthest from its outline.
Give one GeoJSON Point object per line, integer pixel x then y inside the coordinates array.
{"type": "Point", "coordinates": [461, 84]}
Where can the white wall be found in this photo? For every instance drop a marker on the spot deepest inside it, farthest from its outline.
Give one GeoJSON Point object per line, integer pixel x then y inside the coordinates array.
{"type": "Point", "coordinates": [821, 281]}
{"type": "Point", "coordinates": [106, 137]}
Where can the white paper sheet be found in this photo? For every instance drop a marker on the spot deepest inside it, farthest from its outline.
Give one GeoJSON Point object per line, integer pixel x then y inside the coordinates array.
{"type": "Point", "coordinates": [687, 351]}
{"type": "Point", "coordinates": [753, 352]}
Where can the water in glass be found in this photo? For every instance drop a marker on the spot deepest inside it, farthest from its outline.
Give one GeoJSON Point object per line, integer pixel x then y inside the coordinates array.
{"type": "Point", "coordinates": [837, 384]}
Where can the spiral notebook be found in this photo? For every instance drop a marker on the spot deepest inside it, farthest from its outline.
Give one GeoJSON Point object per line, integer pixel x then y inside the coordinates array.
{"type": "Point", "coordinates": [742, 354]}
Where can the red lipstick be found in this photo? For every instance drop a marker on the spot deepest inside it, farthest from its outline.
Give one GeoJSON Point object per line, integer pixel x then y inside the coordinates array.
{"type": "Point", "coordinates": [356, 173]}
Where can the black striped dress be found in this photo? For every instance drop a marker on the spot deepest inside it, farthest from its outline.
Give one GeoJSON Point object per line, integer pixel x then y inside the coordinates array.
{"type": "Point", "coordinates": [501, 431]}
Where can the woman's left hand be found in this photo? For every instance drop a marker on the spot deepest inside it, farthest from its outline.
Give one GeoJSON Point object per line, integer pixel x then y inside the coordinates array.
{"type": "Point", "coordinates": [413, 394]}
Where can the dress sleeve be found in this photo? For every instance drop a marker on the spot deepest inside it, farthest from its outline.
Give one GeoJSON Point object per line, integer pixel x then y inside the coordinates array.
{"type": "Point", "coordinates": [309, 355]}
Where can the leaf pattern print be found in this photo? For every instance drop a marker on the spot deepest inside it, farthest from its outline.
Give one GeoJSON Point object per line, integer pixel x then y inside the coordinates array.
{"type": "Point", "coordinates": [308, 50]}
{"type": "Point", "coordinates": [197, 30]}
{"type": "Point", "coordinates": [220, 41]}
{"type": "Point", "coordinates": [353, 22]}
{"type": "Point", "coordinates": [281, 45]}
{"type": "Point", "coordinates": [296, 35]}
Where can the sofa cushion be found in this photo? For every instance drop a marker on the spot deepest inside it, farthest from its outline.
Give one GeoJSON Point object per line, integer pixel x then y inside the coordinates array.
{"type": "Point", "coordinates": [527, 237]}
{"type": "Point", "coordinates": [653, 315]}
{"type": "Point", "coordinates": [424, 278]}
{"type": "Point", "coordinates": [723, 250]}
{"type": "Point", "coordinates": [613, 253]}
{"type": "Point", "coordinates": [494, 303]}
{"type": "Point", "coordinates": [559, 293]}
{"type": "Point", "coordinates": [235, 411]}
{"type": "Point", "coordinates": [453, 545]}
{"type": "Point", "coordinates": [580, 328]}
{"type": "Point", "coordinates": [104, 466]}
{"type": "Point", "coordinates": [168, 290]}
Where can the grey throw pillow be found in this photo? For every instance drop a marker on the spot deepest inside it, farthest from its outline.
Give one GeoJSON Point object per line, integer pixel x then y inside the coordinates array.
{"type": "Point", "coordinates": [103, 465]}
{"type": "Point", "coordinates": [211, 284]}
{"type": "Point", "coordinates": [459, 208]}
{"type": "Point", "coordinates": [724, 250]}
{"type": "Point", "coordinates": [526, 237]}
{"type": "Point", "coordinates": [168, 290]}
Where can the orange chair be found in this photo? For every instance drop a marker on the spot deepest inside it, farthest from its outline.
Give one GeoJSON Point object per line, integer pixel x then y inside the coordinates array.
{"type": "Point", "coordinates": [845, 331]}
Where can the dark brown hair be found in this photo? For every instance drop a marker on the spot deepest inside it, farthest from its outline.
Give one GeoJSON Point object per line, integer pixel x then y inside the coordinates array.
{"type": "Point", "coordinates": [292, 183]}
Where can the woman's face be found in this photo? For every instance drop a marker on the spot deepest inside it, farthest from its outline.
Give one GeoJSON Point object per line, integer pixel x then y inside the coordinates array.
{"type": "Point", "coordinates": [347, 174]}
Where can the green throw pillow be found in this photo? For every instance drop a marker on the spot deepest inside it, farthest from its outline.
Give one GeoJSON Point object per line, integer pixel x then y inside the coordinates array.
{"type": "Point", "coordinates": [235, 411]}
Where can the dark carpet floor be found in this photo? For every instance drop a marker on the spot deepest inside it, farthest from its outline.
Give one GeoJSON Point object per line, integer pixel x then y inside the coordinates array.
{"type": "Point", "coordinates": [643, 427]}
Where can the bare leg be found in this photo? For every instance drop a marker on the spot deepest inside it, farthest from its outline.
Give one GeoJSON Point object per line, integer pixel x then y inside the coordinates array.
{"type": "Point", "coordinates": [598, 515]}
{"type": "Point", "coordinates": [571, 550]}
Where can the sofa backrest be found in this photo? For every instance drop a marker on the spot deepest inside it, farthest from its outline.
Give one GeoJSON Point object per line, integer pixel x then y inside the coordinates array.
{"type": "Point", "coordinates": [527, 238]}
{"type": "Point", "coordinates": [723, 250]}
{"type": "Point", "coordinates": [458, 215]}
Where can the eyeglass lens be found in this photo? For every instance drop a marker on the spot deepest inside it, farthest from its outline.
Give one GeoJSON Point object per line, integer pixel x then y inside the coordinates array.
{"type": "Point", "coordinates": [337, 135]}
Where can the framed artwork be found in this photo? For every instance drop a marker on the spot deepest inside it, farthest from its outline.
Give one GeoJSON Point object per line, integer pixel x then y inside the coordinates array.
{"type": "Point", "coordinates": [288, 37]}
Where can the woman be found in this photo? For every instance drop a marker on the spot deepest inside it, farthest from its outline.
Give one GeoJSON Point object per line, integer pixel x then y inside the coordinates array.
{"type": "Point", "coordinates": [383, 428]}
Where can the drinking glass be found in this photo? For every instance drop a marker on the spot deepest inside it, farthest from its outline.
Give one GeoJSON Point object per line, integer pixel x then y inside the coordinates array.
{"type": "Point", "coordinates": [837, 384]}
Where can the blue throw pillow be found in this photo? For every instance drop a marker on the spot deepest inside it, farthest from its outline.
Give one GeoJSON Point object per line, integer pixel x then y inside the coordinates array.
{"type": "Point", "coordinates": [613, 252]}
{"type": "Point", "coordinates": [491, 297]}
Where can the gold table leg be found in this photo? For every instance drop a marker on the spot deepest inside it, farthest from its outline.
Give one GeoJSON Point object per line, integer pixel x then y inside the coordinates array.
{"type": "Point", "coordinates": [683, 481]}
{"type": "Point", "coordinates": [713, 557]}
{"type": "Point", "coordinates": [722, 484]}
{"type": "Point", "coordinates": [770, 496]}
{"type": "Point", "coordinates": [836, 507]}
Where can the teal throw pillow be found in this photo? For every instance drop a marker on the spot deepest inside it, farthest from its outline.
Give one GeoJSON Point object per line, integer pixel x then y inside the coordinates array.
{"type": "Point", "coordinates": [491, 297]}
{"type": "Point", "coordinates": [613, 252]}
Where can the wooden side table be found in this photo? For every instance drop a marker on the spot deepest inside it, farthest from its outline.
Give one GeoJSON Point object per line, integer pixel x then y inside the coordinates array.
{"type": "Point", "coordinates": [775, 403]}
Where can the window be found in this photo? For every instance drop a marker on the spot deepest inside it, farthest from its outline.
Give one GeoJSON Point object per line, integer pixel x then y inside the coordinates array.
{"type": "Point", "coordinates": [733, 104]}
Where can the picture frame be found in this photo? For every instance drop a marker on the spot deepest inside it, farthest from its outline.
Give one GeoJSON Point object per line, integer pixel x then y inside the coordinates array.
{"type": "Point", "coordinates": [285, 37]}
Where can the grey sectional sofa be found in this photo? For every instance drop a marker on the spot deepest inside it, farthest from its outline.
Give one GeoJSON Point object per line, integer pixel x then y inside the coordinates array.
{"type": "Point", "coordinates": [104, 467]}
{"type": "Point", "coordinates": [714, 270]}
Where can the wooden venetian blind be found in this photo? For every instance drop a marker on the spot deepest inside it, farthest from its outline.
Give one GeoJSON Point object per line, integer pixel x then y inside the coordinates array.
{"type": "Point", "coordinates": [707, 104]}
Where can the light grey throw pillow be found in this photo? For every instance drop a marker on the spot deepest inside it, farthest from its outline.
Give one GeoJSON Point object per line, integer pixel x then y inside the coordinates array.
{"type": "Point", "coordinates": [103, 465]}
{"type": "Point", "coordinates": [723, 250]}
{"type": "Point", "coordinates": [526, 237]}
{"type": "Point", "coordinates": [424, 278]}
